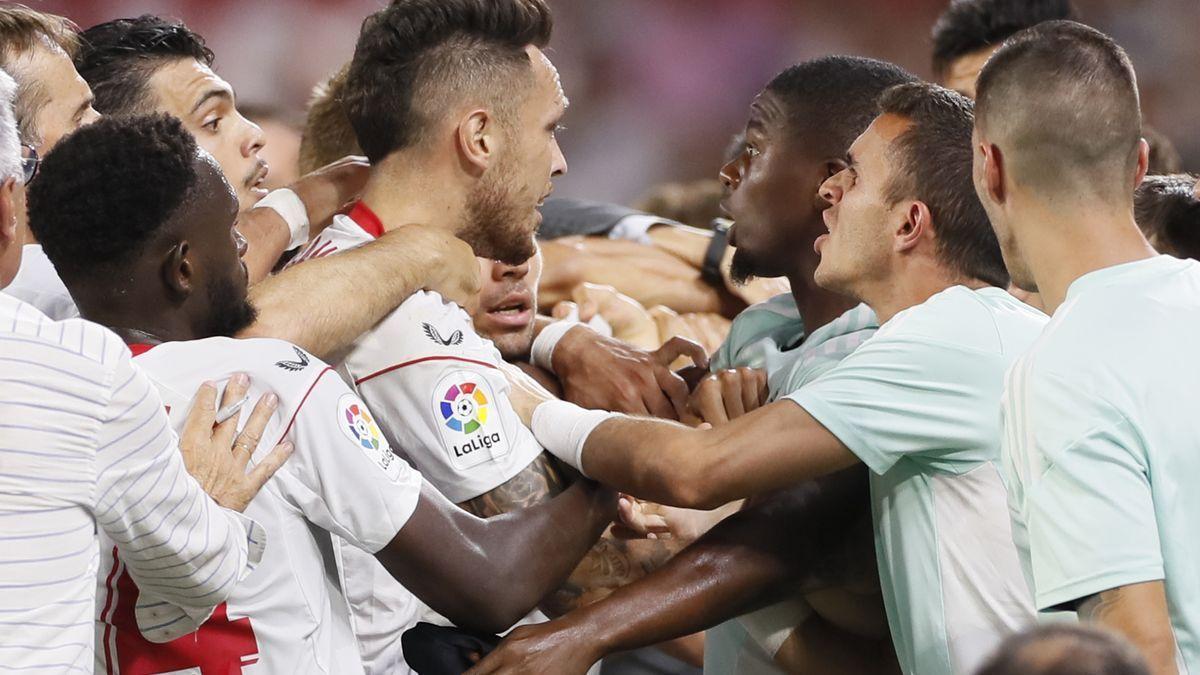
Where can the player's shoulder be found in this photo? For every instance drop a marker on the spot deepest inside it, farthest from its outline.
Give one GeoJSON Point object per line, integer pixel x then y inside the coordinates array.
{"type": "Point", "coordinates": [266, 360]}
{"type": "Point", "coordinates": [342, 234]}
{"type": "Point", "coordinates": [429, 322]}
{"type": "Point", "coordinates": [986, 319]}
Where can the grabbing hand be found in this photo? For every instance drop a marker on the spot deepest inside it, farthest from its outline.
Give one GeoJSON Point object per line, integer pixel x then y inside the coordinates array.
{"type": "Point", "coordinates": [607, 374]}
{"type": "Point", "coordinates": [729, 394]}
{"type": "Point", "coordinates": [550, 647]}
{"type": "Point", "coordinates": [331, 188]}
{"type": "Point", "coordinates": [524, 393]}
{"type": "Point", "coordinates": [215, 459]}
{"type": "Point", "coordinates": [448, 264]}
{"type": "Point", "coordinates": [647, 520]}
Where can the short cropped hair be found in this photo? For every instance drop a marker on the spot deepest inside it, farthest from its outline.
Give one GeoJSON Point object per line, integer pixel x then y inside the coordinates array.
{"type": "Point", "coordinates": [328, 135]}
{"type": "Point", "coordinates": [1065, 649]}
{"type": "Point", "coordinates": [22, 29]}
{"type": "Point", "coordinates": [417, 58]}
{"type": "Point", "coordinates": [105, 191]}
{"type": "Point", "coordinates": [1063, 99]}
{"type": "Point", "coordinates": [10, 142]}
{"type": "Point", "coordinates": [968, 26]}
{"type": "Point", "coordinates": [831, 100]}
{"type": "Point", "coordinates": [933, 164]}
{"type": "Point", "coordinates": [117, 58]}
{"type": "Point", "coordinates": [1167, 210]}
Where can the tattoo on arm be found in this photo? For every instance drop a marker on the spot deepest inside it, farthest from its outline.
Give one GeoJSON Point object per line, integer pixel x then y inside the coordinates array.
{"type": "Point", "coordinates": [610, 564]}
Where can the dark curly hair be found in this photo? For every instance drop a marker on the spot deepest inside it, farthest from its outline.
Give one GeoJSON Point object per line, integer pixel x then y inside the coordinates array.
{"type": "Point", "coordinates": [105, 191]}
{"type": "Point", "coordinates": [414, 55]}
{"type": "Point", "coordinates": [1168, 212]}
{"type": "Point", "coordinates": [118, 57]}
{"type": "Point", "coordinates": [835, 96]}
{"type": "Point", "coordinates": [970, 25]}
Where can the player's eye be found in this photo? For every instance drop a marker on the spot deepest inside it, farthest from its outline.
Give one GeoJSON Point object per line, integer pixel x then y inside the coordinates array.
{"type": "Point", "coordinates": [212, 124]}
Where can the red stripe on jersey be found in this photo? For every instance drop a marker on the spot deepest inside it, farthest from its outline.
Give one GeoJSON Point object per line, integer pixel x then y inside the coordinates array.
{"type": "Point", "coordinates": [221, 646]}
{"type": "Point", "coordinates": [108, 601]}
{"type": "Point", "coordinates": [139, 348]}
{"type": "Point", "coordinates": [365, 218]}
{"type": "Point", "coordinates": [398, 366]}
{"type": "Point", "coordinates": [292, 421]}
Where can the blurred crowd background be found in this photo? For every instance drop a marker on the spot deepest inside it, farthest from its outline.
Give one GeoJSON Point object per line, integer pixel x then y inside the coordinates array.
{"type": "Point", "coordinates": [659, 86]}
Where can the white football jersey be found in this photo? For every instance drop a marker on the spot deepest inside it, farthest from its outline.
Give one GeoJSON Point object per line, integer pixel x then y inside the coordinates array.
{"type": "Point", "coordinates": [436, 389]}
{"type": "Point", "coordinates": [290, 614]}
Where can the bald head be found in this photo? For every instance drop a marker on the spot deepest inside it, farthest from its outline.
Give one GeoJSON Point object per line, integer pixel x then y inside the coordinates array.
{"type": "Point", "coordinates": [1060, 101]}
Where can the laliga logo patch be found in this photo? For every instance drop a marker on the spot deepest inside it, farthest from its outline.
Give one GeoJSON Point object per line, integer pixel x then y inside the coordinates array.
{"type": "Point", "coordinates": [464, 407]}
{"type": "Point", "coordinates": [358, 425]}
{"type": "Point", "coordinates": [471, 428]}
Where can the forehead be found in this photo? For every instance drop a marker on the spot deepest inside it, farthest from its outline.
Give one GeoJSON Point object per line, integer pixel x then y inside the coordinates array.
{"type": "Point", "coordinates": [872, 146]}
{"type": "Point", "coordinates": [50, 66]}
{"type": "Point", "coordinates": [180, 84]}
{"type": "Point", "coordinates": [212, 196]}
{"type": "Point", "coordinates": [767, 114]}
{"type": "Point", "coordinates": [546, 76]}
{"type": "Point", "coordinates": [963, 71]}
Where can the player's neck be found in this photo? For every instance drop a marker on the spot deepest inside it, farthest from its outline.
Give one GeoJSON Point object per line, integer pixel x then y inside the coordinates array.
{"type": "Point", "coordinates": [817, 306]}
{"type": "Point", "coordinates": [1061, 248]}
{"type": "Point", "coordinates": [401, 194]}
{"type": "Point", "coordinates": [910, 286]}
{"type": "Point", "coordinates": [140, 327]}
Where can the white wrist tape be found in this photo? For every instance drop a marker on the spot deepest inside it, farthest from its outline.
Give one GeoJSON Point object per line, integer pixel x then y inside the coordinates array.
{"type": "Point", "coordinates": [543, 345]}
{"type": "Point", "coordinates": [289, 207]}
{"type": "Point", "coordinates": [563, 428]}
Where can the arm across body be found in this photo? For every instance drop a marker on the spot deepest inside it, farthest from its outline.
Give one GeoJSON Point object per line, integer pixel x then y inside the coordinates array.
{"type": "Point", "coordinates": [742, 564]}
{"type": "Point", "coordinates": [610, 564]}
{"type": "Point", "coordinates": [770, 448]}
{"type": "Point", "coordinates": [487, 574]}
{"type": "Point", "coordinates": [320, 306]}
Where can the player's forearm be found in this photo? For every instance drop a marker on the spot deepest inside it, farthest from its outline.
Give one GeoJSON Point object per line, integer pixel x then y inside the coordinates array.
{"type": "Point", "coordinates": [659, 461]}
{"type": "Point", "coordinates": [1139, 612]}
{"type": "Point", "coordinates": [717, 578]}
{"type": "Point", "coordinates": [609, 565]}
{"type": "Point", "coordinates": [267, 237]}
{"type": "Point", "coordinates": [320, 304]}
{"type": "Point", "coordinates": [535, 549]}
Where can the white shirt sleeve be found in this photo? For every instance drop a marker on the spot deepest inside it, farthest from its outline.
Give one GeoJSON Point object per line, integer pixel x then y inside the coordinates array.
{"type": "Point", "coordinates": [435, 386]}
{"type": "Point", "coordinates": [182, 549]}
{"type": "Point", "coordinates": [344, 476]}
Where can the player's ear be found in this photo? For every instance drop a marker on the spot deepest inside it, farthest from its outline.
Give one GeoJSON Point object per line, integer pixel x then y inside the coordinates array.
{"type": "Point", "coordinates": [917, 223]}
{"type": "Point", "coordinates": [178, 273]}
{"type": "Point", "coordinates": [477, 139]}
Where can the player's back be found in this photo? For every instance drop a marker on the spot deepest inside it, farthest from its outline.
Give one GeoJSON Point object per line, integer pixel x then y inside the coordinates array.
{"type": "Point", "coordinates": [1120, 357]}
{"type": "Point", "coordinates": [289, 614]}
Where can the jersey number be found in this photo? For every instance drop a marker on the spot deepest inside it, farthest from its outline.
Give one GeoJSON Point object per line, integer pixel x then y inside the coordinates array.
{"type": "Point", "coordinates": [221, 646]}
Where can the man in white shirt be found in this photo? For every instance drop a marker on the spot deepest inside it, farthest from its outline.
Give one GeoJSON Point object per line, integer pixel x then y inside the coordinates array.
{"type": "Point", "coordinates": [1101, 437]}
{"type": "Point", "coordinates": [914, 403]}
{"type": "Point", "coordinates": [181, 294]}
{"type": "Point", "coordinates": [85, 447]}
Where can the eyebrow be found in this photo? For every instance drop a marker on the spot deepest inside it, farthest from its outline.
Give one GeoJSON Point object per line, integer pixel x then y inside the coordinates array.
{"type": "Point", "coordinates": [87, 103]}
{"type": "Point", "coordinates": [211, 94]}
{"type": "Point", "coordinates": [851, 162]}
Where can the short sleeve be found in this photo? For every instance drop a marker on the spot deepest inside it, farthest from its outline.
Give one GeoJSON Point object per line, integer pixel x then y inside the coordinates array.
{"type": "Point", "coordinates": [453, 420]}
{"type": "Point", "coordinates": [898, 397]}
{"type": "Point", "coordinates": [1084, 491]}
{"type": "Point", "coordinates": [343, 475]}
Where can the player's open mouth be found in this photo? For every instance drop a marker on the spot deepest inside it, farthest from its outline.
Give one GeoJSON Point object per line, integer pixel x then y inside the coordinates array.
{"type": "Point", "coordinates": [513, 311]}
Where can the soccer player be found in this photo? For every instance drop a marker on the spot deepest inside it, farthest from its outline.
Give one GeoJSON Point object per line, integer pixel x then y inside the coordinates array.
{"type": "Point", "coordinates": [457, 108]}
{"type": "Point", "coordinates": [148, 202]}
{"type": "Point", "coordinates": [1099, 424]}
{"type": "Point", "coordinates": [85, 447]}
{"type": "Point", "coordinates": [915, 402]}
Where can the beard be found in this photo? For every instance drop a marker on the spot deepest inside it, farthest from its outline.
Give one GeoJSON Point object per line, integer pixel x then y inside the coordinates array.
{"type": "Point", "coordinates": [230, 309]}
{"type": "Point", "coordinates": [497, 227]}
{"type": "Point", "coordinates": [744, 267]}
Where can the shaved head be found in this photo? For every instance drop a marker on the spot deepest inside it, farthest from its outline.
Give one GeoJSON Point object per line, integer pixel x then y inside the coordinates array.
{"type": "Point", "coordinates": [1060, 100]}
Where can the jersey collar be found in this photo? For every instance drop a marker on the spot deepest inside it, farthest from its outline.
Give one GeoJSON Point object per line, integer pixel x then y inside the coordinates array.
{"type": "Point", "coordinates": [364, 217]}
{"type": "Point", "coordinates": [139, 348]}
